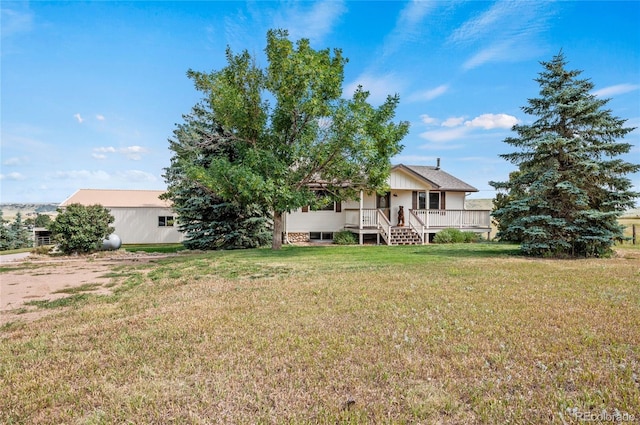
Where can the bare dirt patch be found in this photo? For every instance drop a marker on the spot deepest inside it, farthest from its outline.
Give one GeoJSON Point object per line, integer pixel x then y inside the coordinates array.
{"type": "Point", "coordinates": [44, 278]}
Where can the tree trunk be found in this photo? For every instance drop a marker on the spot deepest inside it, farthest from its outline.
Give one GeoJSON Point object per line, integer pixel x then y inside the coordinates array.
{"type": "Point", "coordinates": [277, 230]}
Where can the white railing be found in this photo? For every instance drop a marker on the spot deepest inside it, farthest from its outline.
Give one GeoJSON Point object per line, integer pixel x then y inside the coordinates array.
{"type": "Point", "coordinates": [421, 219]}
{"type": "Point", "coordinates": [416, 224]}
{"type": "Point", "coordinates": [384, 226]}
{"type": "Point", "coordinates": [454, 218]}
{"type": "Point", "coordinates": [369, 217]}
{"type": "Point", "coordinates": [351, 217]}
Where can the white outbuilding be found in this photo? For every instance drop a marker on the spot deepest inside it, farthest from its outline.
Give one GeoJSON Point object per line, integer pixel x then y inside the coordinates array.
{"type": "Point", "coordinates": [141, 217]}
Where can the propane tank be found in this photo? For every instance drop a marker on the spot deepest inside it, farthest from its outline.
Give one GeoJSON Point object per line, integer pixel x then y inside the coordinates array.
{"type": "Point", "coordinates": [112, 243]}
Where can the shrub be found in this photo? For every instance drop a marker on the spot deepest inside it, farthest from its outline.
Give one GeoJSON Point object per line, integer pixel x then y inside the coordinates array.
{"type": "Point", "coordinates": [42, 250]}
{"type": "Point", "coordinates": [455, 236]}
{"type": "Point", "coordinates": [344, 237]}
{"type": "Point", "coordinates": [80, 229]}
{"type": "Point", "coordinates": [470, 237]}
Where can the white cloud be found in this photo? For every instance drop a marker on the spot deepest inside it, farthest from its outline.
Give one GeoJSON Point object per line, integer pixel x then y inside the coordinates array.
{"type": "Point", "coordinates": [426, 119]}
{"type": "Point", "coordinates": [430, 94]}
{"type": "Point", "coordinates": [12, 176]}
{"type": "Point", "coordinates": [15, 161]}
{"type": "Point", "coordinates": [441, 136]}
{"type": "Point", "coordinates": [485, 23]}
{"type": "Point", "coordinates": [78, 118]}
{"type": "Point", "coordinates": [457, 128]}
{"type": "Point", "coordinates": [494, 53]}
{"type": "Point", "coordinates": [505, 32]}
{"type": "Point", "coordinates": [131, 152]}
{"type": "Point", "coordinates": [313, 22]}
{"type": "Point", "coordinates": [100, 117]}
{"type": "Point", "coordinates": [408, 27]}
{"type": "Point", "coordinates": [413, 14]}
{"type": "Point", "coordinates": [15, 22]}
{"type": "Point", "coordinates": [491, 121]}
{"type": "Point", "coordinates": [80, 175]}
{"type": "Point", "coordinates": [379, 87]}
{"type": "Point", "coordinates": [453, 122]}
{"type": "Point", "coordinates": [136, 176]}
{"type": "Point", "coordinates": [614, 90]}
{"type": "Point", "coordinates": [133, 149]}
{"type": "Point", "coordinates": [107, 149]}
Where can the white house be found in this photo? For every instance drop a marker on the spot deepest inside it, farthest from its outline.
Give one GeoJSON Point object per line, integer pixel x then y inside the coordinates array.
{"type": "Point", "coordinates": [141, 217]}
{"type": "Point", "coordinates": [430, 198]}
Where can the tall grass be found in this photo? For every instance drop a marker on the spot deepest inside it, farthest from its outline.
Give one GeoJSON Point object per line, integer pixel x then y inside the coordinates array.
{"type": "Point", "coordinates": [430, 334]}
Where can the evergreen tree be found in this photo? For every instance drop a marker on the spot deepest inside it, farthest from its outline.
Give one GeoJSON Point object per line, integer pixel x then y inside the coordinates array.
{"type": "Point", "coordinates": [18, 234]}
{"type": "Point", "coordinates": [208, 221]}
{"type": "Point", "coordinates": [5, 239]}
{"type": "Point", "coordinates": [570, 187]}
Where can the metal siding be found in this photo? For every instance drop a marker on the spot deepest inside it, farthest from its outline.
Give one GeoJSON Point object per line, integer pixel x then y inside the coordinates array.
{"type": "Point", "coordinates": [140, 226]}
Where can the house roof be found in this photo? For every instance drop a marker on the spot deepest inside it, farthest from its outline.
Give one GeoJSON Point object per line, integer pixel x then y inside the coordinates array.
{"type": "Point", "coordinates": [118, 198]}
{"type": "Point", "coordinates": [438, 178]}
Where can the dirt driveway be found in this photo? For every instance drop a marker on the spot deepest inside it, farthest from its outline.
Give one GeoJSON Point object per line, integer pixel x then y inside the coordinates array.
{"type": "Point", "coordinates": [44, 278]}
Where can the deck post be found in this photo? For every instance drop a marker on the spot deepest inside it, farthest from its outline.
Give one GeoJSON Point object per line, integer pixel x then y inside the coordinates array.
{"type": "Point", "coordinates": [360, 237]}
{"type": "Point", "coordinates": [360, 211]}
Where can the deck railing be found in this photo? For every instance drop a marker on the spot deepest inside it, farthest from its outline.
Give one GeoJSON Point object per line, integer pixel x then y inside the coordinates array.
{"type": "Point", "coordinates": [416, 224]}
{"type": "Point", "coordinates": [369, 218]}
{"type": "Point", "coordinates": [384, 226]}
{"type": "Point", "coordinates": [462, 219]}
{"type": "Point", "coordinates": [422, 219]}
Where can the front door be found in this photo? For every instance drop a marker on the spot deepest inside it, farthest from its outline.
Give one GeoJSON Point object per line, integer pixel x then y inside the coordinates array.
{"type": "Point", "coordinates": [384, 202]}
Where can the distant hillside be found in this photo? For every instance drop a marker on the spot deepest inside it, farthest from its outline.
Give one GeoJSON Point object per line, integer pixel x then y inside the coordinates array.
{"type": "Point", "coordinates": [478, 204]}
{"type": "Point", "coordinates": [10, 210]}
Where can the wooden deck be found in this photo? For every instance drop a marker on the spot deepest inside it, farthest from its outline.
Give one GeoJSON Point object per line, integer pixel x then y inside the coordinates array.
{"type": "Point", "coordinates": [371, 221]}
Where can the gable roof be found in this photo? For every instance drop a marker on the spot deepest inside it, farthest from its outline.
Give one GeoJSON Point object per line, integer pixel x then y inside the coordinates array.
{"type": "Point", "coordinates": [436, 177]}
{"type": "Point", "coordinates": [118, 198]}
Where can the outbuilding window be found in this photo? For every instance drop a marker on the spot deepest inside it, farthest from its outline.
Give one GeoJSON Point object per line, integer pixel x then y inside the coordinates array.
{"type": "Point", "coordinates": [165, 221]}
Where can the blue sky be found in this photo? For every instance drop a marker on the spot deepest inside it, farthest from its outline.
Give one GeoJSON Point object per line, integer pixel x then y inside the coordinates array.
{"type": "Point", "coordinates": [92, 91]}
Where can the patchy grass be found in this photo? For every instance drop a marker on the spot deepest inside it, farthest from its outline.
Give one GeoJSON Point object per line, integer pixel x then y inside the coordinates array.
{"type": "Point", "coordinates": [162, 248]}
{"type": "Point", "coordinates": [431, 334]}
{"type": "Point", "coordinates": [59, 302]}
{"type": "Point", "coordinates": [87, 287]}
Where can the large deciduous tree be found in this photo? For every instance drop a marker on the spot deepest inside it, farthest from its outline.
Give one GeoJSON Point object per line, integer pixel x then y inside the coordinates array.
{"type": "Point", "coordinates": [208, 221]}
{"type": "Point", "coordinates": [570, 187]}
{"type": "Point", "coordinates": [291, 128]}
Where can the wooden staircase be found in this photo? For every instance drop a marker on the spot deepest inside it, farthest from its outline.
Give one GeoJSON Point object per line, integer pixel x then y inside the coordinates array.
{"type": "Point", "coordinates": [404, 236]}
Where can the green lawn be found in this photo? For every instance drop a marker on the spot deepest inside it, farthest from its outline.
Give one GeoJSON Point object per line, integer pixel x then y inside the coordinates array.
{"type": "Point", "coordinates": [447, 334]}
{"type": "Point", "coordinates": [164, 248]}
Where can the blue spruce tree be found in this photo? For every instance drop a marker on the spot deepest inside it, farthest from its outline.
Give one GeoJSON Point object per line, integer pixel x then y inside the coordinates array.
{"type": "Point", "coordinates": [570, 187]}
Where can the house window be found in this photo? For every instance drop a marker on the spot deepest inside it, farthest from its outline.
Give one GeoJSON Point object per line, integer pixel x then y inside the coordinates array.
{"type": "Point", "coordinates": [422, 200]}
{"type": "Point", "coordinates": [325, 201]}
{"type": "Point", "coordinates": [434, 200]}
{"type": "Point", "coordinates": [321, 236]}
{"type": "Point", "coordinates": [165, 221]}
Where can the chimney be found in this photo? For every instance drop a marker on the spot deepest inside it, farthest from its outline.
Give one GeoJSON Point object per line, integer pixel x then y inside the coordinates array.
{"type": "Point", "coordinates": [438, 164]}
